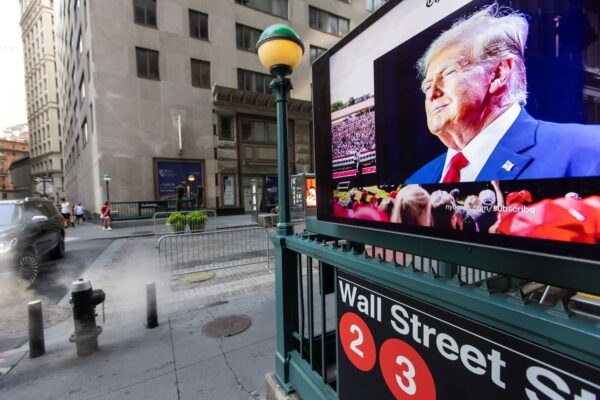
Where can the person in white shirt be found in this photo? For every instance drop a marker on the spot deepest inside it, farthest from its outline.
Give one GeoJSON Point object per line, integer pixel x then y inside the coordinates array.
{"type": "Point", "coordinates": [65, 210]}
{"type": "Point", "coordinates": [475, 87]}
{"type": "Point", "coordinates": [79, 213]}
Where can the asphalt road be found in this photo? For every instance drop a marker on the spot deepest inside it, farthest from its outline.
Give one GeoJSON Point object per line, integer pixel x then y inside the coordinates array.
{"type": "Point", "coordinates": [54, 282]}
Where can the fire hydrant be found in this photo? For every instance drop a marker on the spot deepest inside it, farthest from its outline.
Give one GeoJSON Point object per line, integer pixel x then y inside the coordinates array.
{"type": "Point", "coordinates": [84, 301]}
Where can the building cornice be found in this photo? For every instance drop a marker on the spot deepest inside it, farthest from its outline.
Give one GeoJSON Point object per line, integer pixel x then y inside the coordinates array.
{"type": "Point", "coordinates": [226, 96]}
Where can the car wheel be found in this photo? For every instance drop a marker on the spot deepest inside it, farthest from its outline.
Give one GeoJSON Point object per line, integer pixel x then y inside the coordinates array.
{"type": "Point", "coordinates": [26, 269]}
{"type": "Point", "coordinates": [59, 250]}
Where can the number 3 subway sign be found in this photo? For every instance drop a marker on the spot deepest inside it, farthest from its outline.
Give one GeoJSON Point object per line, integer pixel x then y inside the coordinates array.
{"type": "Point", "coordinates": [394, 346]}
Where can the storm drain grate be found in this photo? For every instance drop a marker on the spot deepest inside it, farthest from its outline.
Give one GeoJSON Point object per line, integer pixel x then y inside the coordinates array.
{"type": "Point", "coordinates": [226, 326]}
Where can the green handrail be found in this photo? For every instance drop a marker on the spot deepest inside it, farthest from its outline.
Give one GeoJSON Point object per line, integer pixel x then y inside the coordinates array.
{"type": "Point", "coordinates": [306, 358]}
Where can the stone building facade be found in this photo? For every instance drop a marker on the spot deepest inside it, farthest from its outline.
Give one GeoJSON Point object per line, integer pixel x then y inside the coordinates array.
{"type": "Point", "coordinates": [155, 91]}
{"type": "Point", "coordinates": [37, 26]}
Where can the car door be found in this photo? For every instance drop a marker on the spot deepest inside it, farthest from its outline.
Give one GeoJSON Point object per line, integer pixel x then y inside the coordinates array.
{"type": "Point", "coordinates": [38, 230]}
{"type": "Point", "coordinates": [56, 223]}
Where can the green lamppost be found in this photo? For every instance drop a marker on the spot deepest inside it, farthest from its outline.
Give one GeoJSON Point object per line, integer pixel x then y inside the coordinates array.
{"type": "Point", "coordinates": [280, 50]}
{"type": "Point", "coordinates": [191, 180]}
{"type": "Point", "coordinates": [107, 179]}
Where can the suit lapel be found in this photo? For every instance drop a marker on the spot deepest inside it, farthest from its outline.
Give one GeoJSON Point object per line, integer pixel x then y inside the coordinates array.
{"type": "Point", "coordinates": [506, 162]}
{"type": "Point", "coordinates": [438, 168]}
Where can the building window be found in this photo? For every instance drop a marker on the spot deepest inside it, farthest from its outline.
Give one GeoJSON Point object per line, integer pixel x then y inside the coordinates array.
{"type": "Point", "coordinates": [144, 12]}
{"type": "Point", "coordinates": [254, 81]}
{"type": "Point", "coordinates": [198, 25]}
{"type": "Point", "coordinates": [79, 46]}
{"type": "Point", "coordinates": [147, 63]}
{"type": "Point", "coordinates": [315, 52]}
{"type": "Point", "coordinates": [373, 5]}
{"type": "Point", "coordinates": [275, 7]}
{"type": "Point", "coordinates": [327, 22]}
{"type": "Point", "coordinates": [84, 132]}
{"type": "Point", "coordinates": [257, 131]}
{"type": "Point", "coordinates": [89, 69]}
{"type": "Point", "coordinates": [91, 119]}
{"type": "Point", "coordinates": [201, 74]}
{"type": "Point", "coordinates": [225, 128]}
{"type": "Point", "coordinates": [246, 37]}
{"type": "Point", "coordinates": [82, 89]}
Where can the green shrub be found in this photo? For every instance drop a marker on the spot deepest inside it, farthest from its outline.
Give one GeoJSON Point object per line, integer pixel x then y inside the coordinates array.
{"type": "Point", "coordinates": [196, 220]}
{"type": "Point", "coordinates": [178, 220]}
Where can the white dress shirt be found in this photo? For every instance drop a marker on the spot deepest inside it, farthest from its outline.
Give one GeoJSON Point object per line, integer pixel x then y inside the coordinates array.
{"type": "Point", "coordinates": [481, 147]}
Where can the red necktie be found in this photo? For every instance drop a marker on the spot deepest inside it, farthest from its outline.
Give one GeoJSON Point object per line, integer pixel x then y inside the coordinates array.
{"type": "Point", "coordinates": [457, 163]}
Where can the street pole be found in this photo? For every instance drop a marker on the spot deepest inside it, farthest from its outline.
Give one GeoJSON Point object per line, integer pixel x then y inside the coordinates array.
{"type": "Point", "coordinates": [282, 86]}
{"type": "Point", "coordinates": [280, 50]}
{"type": "Point", "coordinates": [44, 177]}
{"type": "Point", "coordinates": [107, 193]}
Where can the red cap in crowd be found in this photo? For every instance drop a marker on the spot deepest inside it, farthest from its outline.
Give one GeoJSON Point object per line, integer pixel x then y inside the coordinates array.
{"type": "Point", "coordinates": [561, 219]}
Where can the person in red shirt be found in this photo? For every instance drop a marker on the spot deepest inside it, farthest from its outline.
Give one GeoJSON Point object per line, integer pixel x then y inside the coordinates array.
{"type": "Point", "coordinates": [105, 211]}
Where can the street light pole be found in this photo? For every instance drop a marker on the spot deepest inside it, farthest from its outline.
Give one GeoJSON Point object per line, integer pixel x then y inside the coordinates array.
{"type": "Point", "coordinates": [107, 179]}
{"type": "Point", "coordinates": [282, 86]}
{"type": "Point", "coordinates": [280, 50]}
{"type": "Point", "coordinates": [44, 176]}
{"type": "Point", "coordinates": [191, 180]}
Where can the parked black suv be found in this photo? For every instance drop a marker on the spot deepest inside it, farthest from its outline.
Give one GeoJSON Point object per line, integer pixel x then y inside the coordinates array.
{"type": "Point", "coordinates": [29, 230]}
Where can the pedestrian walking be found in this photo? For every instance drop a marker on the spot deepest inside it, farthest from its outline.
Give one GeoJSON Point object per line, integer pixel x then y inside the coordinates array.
{"type": "Point", "coordinates": [80, 213]}
{"type": "Point", "coordinates": [105, 211]}
{"type": "Point", "coordinates": [65, 210]}
{"type": "Point", "coordinates": [72, 217]}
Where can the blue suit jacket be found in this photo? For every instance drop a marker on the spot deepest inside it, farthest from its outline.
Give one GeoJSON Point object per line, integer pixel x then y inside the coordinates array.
{"type": "Point", "coordinates": [536, 149]}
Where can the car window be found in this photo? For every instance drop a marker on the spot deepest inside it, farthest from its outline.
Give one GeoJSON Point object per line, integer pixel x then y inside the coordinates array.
{"type": "Point", "coordinates": [35, 209]}
{"type": "Point", "coordinates": [50, 209]}
{"type": "Point", "coordinates": [10, 214]}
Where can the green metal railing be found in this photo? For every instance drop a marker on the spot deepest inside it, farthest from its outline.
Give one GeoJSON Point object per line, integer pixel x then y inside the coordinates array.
{"type": "Point", "coordinates": [131, 210]}
{"type": "Point", "coordinates": [483, 283]}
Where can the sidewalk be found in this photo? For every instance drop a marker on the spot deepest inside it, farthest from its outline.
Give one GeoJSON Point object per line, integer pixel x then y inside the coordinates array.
{"type": "Point", "coordinates": [92, 231]}
{"type": "Point", "coordinates": [173, 361]}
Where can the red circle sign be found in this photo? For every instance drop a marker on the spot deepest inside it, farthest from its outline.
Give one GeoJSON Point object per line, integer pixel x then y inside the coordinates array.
{"type": "Point", "coordinates": [405, 372]}
{"type": "Point", "coordinates": [357, 341]}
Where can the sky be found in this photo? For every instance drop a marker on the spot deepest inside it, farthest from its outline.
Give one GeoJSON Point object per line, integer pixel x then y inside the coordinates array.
{"type": "Point", "coordinates": [13, 109]}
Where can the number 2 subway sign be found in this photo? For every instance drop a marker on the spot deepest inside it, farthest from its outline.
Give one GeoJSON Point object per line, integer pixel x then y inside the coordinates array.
{"type": "Point", "coordinates": [392, 346]}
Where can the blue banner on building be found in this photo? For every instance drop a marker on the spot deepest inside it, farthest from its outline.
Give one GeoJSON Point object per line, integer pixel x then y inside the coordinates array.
{"type": "Point", "coordinates": [170, 174]}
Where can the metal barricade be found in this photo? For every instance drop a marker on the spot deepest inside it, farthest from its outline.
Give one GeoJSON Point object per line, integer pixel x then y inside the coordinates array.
{"type": "Point", "coordinates": [159, 221]}
{"type": "Point", "coordinates": [297, 214]}
{"type": "Point", "coordinates": [193, 252]}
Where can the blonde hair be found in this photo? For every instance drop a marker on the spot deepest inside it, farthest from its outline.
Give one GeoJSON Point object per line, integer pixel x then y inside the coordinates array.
{"type": "Point", "coordinates": [490, 35]}
{"type": "Point", "coordinates": [472, 201]}
{"type": "Point", "coordinates": [412, 206]}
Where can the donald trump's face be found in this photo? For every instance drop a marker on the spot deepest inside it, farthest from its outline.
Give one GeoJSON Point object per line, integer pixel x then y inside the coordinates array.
{"type": "Point", "coordinates": [456, 97]}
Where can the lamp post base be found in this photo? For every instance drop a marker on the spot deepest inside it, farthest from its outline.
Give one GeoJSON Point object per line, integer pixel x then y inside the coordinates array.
{"type": "Point", "coordinates": [285, 229]}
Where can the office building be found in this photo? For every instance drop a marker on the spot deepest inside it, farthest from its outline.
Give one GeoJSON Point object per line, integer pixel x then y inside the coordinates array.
{"type": "Point", "coordinates": [154, 92]}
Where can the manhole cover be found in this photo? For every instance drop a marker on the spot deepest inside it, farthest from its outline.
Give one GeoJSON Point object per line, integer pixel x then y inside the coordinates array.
{"type": "Point", "coordinates": [196, 277]}
{"type": "Point", "coordinates": [226, 326]}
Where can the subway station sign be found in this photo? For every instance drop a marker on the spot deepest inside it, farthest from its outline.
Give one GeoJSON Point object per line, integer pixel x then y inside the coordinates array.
{"type": "Point", "coordinates": [392, 346]}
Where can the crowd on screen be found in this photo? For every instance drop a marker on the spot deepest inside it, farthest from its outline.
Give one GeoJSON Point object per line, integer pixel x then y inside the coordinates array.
{"type": "Point", "coordinates": [354, 134]}
{"type": "Point", "coordinates": [569, 218]}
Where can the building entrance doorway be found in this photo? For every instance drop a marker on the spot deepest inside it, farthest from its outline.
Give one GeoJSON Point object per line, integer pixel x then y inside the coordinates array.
{"type": "Point", "coordinates": [265, 194]}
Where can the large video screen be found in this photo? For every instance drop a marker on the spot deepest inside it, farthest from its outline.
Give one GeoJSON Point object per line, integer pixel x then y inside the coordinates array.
{"type": "Point", "coordinates": [472, 120]}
